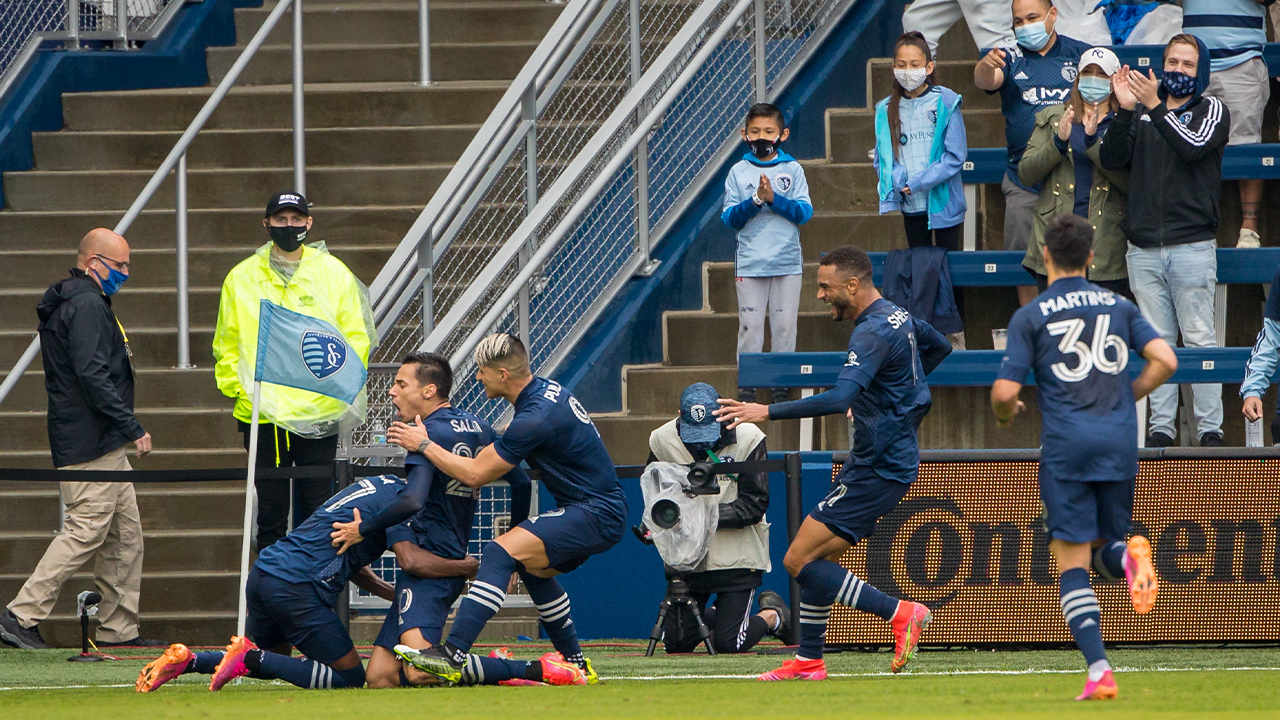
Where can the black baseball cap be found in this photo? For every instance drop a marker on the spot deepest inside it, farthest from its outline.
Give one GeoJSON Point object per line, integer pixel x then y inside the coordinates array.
{"type": "Point", "coordinates": [288, 199]}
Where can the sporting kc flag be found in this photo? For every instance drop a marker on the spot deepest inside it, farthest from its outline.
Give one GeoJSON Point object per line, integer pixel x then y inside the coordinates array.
{"type": "Point", "coordinates": [307, 353]}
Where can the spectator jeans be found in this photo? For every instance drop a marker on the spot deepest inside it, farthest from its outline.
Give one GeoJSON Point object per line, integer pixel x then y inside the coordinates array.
{"type": "Point", "coordinates": [102, 523]}
{"type": "Point", "coordinates": [1175, 286]}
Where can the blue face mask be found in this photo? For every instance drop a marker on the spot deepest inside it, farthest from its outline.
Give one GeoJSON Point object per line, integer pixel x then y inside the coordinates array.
{"type": "Point", "coordinates": [1178, 85]}
{"type": "Point", "coordinates": [112, 282]}
{"type": "Point", "coordinates": [1094, 89]}
{"type": "Point", "coordinates": [1032, 36]}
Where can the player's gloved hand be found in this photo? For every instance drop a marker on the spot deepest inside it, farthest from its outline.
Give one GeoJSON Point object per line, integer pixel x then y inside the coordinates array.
{"type": "Point", "coordinates": [345, 535]}
{"type": "Point", "coordinates": [407, 436]}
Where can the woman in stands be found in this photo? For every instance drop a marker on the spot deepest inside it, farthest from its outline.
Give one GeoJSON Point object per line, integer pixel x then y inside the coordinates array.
{"type": "Point", "coordinates": [921, 145]}
{"type": "Point", "coordinates": [1063, 155]}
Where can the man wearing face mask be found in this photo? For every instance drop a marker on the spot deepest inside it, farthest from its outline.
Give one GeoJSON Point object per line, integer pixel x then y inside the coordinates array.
{"type": "Point", "coordinates": [1171, 138]}
{"type": "Point", "coordinates": [298, 428]}
{"type": "Point", "coordinates": [88, 374]}
{"type": "Point", "coordinates": [1035, 74]}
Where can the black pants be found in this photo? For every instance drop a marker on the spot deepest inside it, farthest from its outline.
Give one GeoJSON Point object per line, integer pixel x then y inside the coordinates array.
{"type": "Point", "coordinates": [734, 629]}
{"type": "Point", "coordinates": [919, 235]}
{"type": "Point", "coordinates": [273, 495]}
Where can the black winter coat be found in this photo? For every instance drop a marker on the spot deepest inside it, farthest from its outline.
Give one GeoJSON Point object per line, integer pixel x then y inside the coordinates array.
{"type": "Point", "coordinates": [88, 372]}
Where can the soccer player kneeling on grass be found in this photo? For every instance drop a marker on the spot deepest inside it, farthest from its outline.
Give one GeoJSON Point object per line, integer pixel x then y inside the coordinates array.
{"type": "Point", "coordinates": [1075, 337]}
{"type": "Point", "coordinates": [291, 593]}
{"type": "Point", "coordinates": [882, 388]}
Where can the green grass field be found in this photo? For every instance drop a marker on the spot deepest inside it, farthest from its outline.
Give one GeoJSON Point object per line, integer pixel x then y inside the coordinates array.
{"type": "Point", "coordinates": [1163, 683]}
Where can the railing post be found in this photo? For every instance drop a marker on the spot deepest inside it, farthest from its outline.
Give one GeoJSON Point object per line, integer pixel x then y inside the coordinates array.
{"type": "Point", "coordinates": [424, 43]}
{"type": "Point", "coordinates": [122, 24]}
{"type": "Point", "coordinates": [758, 50]}
{"type": "Point", "coordinates": [427, 262]}
{"type": "Point", "coordinates": [649, 265]}
{"type": "Point", "coordinates": [528, 114]}
{"type": "Point", "coordinates": [299, 121]}
{"type": "Point", "coordinates": [184, 315]}
{"type": "Point", "coordinates": [73, 25]}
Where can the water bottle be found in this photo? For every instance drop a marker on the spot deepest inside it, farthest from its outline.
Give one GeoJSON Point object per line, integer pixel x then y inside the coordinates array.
{"type": "Point", "coordinates": [1253, 433]}
{"type": "Point", "coordinates": [379, 432]}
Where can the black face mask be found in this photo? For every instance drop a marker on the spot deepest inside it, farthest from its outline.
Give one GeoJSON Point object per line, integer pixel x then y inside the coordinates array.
{"type": "Point", "coordinates": [763, 147]}
{"type": "Point", "coordinates": [288, 238]}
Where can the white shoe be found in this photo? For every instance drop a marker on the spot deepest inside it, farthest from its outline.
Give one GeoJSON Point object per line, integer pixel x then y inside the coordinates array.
{"type": "Point", "coordinates": [1248, 239]}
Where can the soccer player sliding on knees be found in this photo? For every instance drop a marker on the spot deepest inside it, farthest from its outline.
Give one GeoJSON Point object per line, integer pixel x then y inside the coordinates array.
{"type": "Point", "coordinates": [883, 390]}
{"type": "Point", "coordinates": [1075, 338]}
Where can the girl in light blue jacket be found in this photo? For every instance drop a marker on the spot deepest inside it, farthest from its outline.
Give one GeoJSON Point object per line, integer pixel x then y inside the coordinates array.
{"type": "Point", "coordinates": [921, 146]}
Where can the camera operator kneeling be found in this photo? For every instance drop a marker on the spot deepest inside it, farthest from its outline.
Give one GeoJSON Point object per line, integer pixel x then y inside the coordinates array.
{"type": "Point", "coordinates": [739, 555]}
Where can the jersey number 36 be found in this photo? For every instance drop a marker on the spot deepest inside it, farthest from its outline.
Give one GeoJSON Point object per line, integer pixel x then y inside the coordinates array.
{"type": "Point", "coordinates": [1089, 357]}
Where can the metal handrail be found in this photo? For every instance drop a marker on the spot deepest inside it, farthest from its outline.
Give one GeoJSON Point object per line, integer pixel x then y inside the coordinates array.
{"type": "Point", "coordinates": [622, 114]}
{"type": "Point", "coordinates": [497, 140]}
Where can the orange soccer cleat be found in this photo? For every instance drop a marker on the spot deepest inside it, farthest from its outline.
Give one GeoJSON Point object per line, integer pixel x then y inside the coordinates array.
{"type": "Point", "coordinates": [172, 663]}
{"type": "Point", "coordinates": [797, 669]}
{"type": "Point", "coordinates": [1141, 574]}
{"type": "Point", "coordinates": [232, 665]}
{"type": "Point", "coordinates": [908, 625]}
{"type": "Point", "coordinates": [1103, 689]}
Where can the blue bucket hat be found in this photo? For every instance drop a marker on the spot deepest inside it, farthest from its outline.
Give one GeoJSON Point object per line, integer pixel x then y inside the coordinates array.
{"type": "Point", "coordinates": [697, 424]}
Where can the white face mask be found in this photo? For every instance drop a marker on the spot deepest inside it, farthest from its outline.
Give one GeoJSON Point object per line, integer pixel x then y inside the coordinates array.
{"type": "Point", "coordinates": [910, 78]}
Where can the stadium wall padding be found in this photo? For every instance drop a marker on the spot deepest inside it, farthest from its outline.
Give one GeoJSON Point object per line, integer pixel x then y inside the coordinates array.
{"type": "Point", "coordinates": [176, 59]}
{"type": "Point", "coordinates": [629, 332]}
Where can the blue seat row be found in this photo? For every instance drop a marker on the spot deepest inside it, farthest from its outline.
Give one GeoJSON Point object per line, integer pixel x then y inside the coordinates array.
{"type": "Point", "coordinates": [986, 166]}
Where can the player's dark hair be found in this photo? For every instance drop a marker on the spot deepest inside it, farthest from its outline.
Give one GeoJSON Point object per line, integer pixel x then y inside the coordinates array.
{"type": "Point", "coordinates": [915, 40]}
{"type": "Point", "coordinates": [433, 369]}
{"type": "Point", "coordinates": [765, 110]}
{"type": "Point", "coordinates": [849, 259]}
{"type": "Point", "coordinates": [1069, 239]}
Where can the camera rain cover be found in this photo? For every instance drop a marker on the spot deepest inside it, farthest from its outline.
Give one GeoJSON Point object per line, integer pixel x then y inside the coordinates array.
{"type": "Point", "coordinates": [684, 544]}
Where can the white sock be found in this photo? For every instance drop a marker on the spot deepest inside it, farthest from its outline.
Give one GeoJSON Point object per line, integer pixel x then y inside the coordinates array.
{"type": "Point", "coordinates": [1098, 669]}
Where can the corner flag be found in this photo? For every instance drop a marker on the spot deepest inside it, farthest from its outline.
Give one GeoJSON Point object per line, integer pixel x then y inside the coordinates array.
{"type": "Point", "coordinates": [306, 353]}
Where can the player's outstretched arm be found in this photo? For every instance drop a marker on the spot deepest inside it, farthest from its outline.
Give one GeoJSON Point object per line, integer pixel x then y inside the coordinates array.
{"type": "Point", "coordinates": [407, 504]}
{"type": "Point", "coordinates": [1005, 402]}
{"type": "Point", "coordinates": [1161, 364]}
{"type": "Point", "coordinates": [419, 562]}
{"type": "Point", "coordinates": [367, 581]}
{"type": "Point", "coordinates": [835, 401]}
{"type": "Point", "coordinates": [479, 471]}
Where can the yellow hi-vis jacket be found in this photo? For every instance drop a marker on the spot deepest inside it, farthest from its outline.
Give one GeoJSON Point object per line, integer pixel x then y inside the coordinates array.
{"type": "Point", "coordinates": [321, 287]}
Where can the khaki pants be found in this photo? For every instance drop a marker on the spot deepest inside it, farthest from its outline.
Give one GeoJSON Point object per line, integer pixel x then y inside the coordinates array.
{"type": "Point", "coordinates": [102, 522]}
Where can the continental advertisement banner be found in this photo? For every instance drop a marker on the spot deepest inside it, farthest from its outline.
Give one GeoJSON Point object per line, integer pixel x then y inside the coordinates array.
{"type": "Point", "coordinates": [968, 542]}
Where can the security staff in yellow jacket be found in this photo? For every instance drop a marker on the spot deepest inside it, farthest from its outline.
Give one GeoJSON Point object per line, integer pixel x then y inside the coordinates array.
{"type": "Point", "coordinates": [298, 427]}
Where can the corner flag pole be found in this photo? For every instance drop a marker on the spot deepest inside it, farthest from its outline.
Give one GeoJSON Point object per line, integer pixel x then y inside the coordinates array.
{"type": "Point", "coordinates": [248, 508]}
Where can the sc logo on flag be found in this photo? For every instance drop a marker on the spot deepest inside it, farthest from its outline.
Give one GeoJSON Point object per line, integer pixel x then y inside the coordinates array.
{"type": "Point", "coordinates": [324, 353]}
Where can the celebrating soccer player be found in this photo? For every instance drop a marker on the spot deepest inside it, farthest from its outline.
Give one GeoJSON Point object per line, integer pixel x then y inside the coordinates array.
{"type": "Point", "coordinates": [1075, 337]}
{"type": "Point", "coordinates": [882, 388]}
{"type": "Point", "coordinates": [554, 434]}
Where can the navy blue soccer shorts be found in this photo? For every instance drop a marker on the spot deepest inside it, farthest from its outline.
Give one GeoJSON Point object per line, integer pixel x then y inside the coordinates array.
{"type": "Point", "coordinates": [422, 603]}
{"type": "Point", "coordinates": [856, 502]}
{"type": "Point", "coordinates": [570, 535]}
{"type": "Point", "coordinates": [282, 612]}
{"type": "Point", "coordinates": [1081, 512]}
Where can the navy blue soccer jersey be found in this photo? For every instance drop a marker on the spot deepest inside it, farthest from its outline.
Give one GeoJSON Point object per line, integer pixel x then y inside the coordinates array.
{"type": "Point", "coordinates": [443, 525]}
{"type": "Point", "coordinates": [554, 434]}
{"type": "Point", "coordinates": [1076, 338]}
{"type": "Point", "coordinates": [307, 554]}
{"type": "Point", "coordinates": [1033, 82]}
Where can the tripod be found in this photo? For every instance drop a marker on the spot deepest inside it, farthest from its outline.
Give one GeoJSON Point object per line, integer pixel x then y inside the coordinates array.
{"type": "Point", "coordinates": [678, 595]}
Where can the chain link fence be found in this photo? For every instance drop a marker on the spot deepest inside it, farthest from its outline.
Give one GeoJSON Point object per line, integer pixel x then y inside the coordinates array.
{"type": "Point", "coordinates": [21, 19]}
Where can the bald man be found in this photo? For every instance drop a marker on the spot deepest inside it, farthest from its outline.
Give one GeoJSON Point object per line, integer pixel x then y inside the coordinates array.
{"type": "Point", "coordinates": [89, 378]}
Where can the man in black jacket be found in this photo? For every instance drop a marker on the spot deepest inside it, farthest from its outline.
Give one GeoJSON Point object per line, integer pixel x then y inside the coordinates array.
{"type": "Point", "coordinates": [89, 377]}
{"type": "Point", "coordinates": [1172, 137]}
{"type": "Point", "coordinates": [739, 554]}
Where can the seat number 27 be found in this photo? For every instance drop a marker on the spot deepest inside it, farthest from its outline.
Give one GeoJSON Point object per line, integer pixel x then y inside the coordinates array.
{"type": "Point", "coordinates": [1089, 356]}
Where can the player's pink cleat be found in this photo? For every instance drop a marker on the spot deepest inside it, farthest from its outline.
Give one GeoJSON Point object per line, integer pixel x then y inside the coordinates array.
{"type": "Point", "coordinates": [521, 682]}
{"type": "Point", "coordinates": [1104, 689]}
{"type": "Point", "coordinates": [797, 669]}
{"type": "Point", "coordinates": [908, 625]}
{"type": "Point", "coordinates": [556, 671]}
{"type": "Point", "coordinates": [1141, 574]}
{"type": "Point", "coordinates": [172, 663]}
{"type": "Point", "coordinates": [232, 665]}
{"type": "Point", "coordinates": [502, 653]}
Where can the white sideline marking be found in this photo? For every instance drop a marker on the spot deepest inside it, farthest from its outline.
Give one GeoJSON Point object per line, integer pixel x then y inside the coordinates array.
{"type": "Point", "coordinates": [1029, 671]}
{"type": "Point", "coordinates": [61, 687]}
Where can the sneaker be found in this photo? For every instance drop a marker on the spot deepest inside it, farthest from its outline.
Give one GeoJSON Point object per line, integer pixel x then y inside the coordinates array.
{"type": "Point", "coordinates": [557, 671]}
{"type": "Point", "coordinates": [1248, 239]}
{"type": "Point", "coordinates": [770, 600]}
{"type": "Point", "coordinates": [1211, 439]}
{"type": "Point", "coordinates": [175, 661]}
{"type": "Point", "coordinates": [908, 625]}
{"type": "Point", "coordinates": [585, 667]}
{"type": "Point", "coordinates": [136, 642]}
{"type": "Point", "coordinates": [432, 661]}
{"type": "Point", "coordinates": [1104, 689]}
{"type": "Point", "coordinates": [746, 395]}
{"type": "Point", "coordinates": [232, 665]}
{"type": "Point", "coordinates": [797, 669]}
{"type": "Point", "coordinates": [23, 638]}
{"type": "Point", "coordinates": [1159, 440]}
{"type": "Point", "coordinates": [1141, 574]}
{"type": "Point", "coordinates": [779, 395]}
